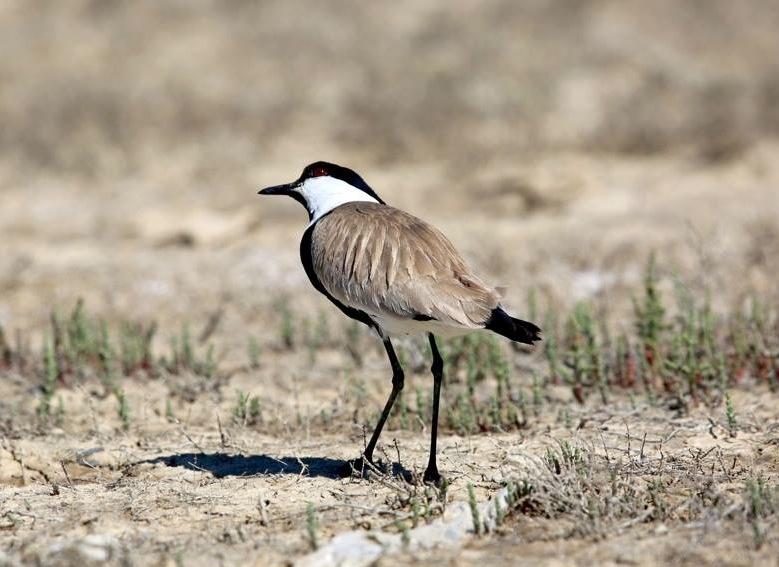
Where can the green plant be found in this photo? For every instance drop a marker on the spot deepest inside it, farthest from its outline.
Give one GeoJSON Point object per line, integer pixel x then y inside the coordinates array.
{"type": "Point", "coordinates": [500, 512]}
{"type": "Point", "coordinates": [79, 332]}
{"type": "Point", "coordinates": [59, 416]}
{"type": "Point", "coordinates": [208, 367]}
{"type": "Point", "coordinates": [287, 330]}
{"type": "Point", "coordinates": [760, 503]}
{"type": "Point", "coordinates": [240, 411]}
{"type": "Point", "coordinates": [658, 499]}
{"type": "Point", "coordinates": [477, 526]}
{"type": "Point", "coordinates": [538, 395]}
{"type": "Point", "coordinates": [255, 409]}
{"type": "Point", "coordinates": [50, 376]}
{"type": "Point", "coordinates": [253, 351]}
{"type": "Point", "coordinates": [312, 526]}
{"type": "Point", "coordinates": [353, 343]}
{"type": "Point", "coordinates": [187, 352]}
{"type": "Point", "coordinates": [122, 408]}
{"type": "Point", "coordinates": [583, 357]}
{"type": "Point", "coordinates": [185, 358]}
{"type": "Point", "coordinates": [552, 349]}
{"type": "Point", "coordinates": [650, 314]}
{"type": "Point", "coordinates": [730, 415]}
{"type": "Point", "coordinates": [247, 409]}
{"type": "Point", "coordinates": [319, 332]}
{"type": "Point", "coordinates": [135, 347]}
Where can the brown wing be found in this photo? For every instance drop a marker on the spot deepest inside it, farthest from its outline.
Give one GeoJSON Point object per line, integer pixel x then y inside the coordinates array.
{"type": "Point", "coordinates": [387, 262]}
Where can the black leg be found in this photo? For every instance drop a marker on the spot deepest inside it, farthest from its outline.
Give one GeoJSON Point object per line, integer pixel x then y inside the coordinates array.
{"type": "Point", "coordinates": [397, 385]}
{"type": "Point", "coordinates": [431, 474]}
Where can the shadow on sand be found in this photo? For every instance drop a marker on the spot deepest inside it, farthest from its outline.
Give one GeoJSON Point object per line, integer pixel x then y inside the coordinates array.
{"type": "Point", "coordinates": [223, 465]}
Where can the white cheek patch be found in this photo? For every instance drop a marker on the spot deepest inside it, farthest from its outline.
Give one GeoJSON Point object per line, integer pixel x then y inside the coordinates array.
{"type": "Point", "coordinates": [323, 194]}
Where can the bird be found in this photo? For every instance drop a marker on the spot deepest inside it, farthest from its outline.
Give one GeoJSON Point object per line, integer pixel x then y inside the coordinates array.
{"type": "Point", "coordinates": [396, 274]}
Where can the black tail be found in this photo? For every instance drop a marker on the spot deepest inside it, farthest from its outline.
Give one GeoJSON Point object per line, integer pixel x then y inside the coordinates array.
{"type": "Point", "coordinates": [515, 329]}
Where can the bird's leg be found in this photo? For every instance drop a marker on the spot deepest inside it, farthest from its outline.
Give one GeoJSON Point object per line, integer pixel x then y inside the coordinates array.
{"type": "Point", "coordinates": [431, 474]}
{"type": "Point", "coordinates": [397, 385]}
{"type": "Point", "coordinates": [398, 379]}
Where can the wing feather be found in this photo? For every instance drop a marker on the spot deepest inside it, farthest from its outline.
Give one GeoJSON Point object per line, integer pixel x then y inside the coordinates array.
{"type": "Point", "coordinates": [390, 256]}
{"type": "Point", "coordinates": [389, 263]}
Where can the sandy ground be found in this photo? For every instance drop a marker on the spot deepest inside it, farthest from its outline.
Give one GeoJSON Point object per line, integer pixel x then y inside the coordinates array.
{"type": "Point", "coordinates": [167, 491]}
{"type": "Point", "coordinates": [174, 492]}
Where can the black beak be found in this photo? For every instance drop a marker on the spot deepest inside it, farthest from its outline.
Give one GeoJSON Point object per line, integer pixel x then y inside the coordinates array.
{"type": "Point", "coordinates": [285, 189]}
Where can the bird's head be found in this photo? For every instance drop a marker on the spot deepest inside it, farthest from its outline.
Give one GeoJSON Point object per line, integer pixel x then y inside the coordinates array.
{"type": "Point", "coordinates": [324, 186]}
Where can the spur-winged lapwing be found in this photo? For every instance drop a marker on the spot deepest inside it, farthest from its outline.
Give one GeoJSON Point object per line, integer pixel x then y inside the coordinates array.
{"type": "Point", "coordinates": [393, 272]}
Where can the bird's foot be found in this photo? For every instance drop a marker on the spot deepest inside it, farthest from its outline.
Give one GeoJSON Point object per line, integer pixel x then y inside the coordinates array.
{"type": "Point", "coordinates": [358, 468]}
{"type": "Point", "coordinates": [431, 476]}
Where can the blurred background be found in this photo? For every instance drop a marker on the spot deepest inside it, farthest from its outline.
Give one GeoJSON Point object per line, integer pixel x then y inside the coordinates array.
{"type": "Point", "coordinates": [557, 142]}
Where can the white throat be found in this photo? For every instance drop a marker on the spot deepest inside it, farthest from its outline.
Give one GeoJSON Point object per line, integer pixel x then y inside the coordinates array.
{"type": "Point", "coordinates": [323, 194]}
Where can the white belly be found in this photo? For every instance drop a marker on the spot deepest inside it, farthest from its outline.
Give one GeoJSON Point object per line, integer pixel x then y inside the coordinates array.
{"type": "Point", "coordinates": [395, 326]}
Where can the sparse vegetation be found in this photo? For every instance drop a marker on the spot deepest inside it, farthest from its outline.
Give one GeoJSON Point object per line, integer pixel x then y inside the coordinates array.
{"type": "Point", "coordinates": [760, 505]}
{"type": "Point", "coordinates": [247, 410]}
{"type": "Point", "coordinates": [50, 377]}
{"type": "Point", "coordinates": [253, 351]}
{"type": "Point", "coordinates": [169, 415]}
{"type": "Point", "coordinates": [475, 517]}
{"type": "Point", "coordinates": [730, 414]}
{"type": "Point", "coordinates": [696, 358]}
{"type": "Point", "coordinates": [312, 526]}
{"type": "Point", "coordinates": [650, 315]}
{"type": "Point", "coordinates": [122, 408]}
{"type": "Point", "coordinates": [679, 355]}
{"type": "Point", "coordinates": [287, 330]}
{"type": "Point", "coordinates": [590, 493]}
{"type": "Point", "coordinates": [693, 360]}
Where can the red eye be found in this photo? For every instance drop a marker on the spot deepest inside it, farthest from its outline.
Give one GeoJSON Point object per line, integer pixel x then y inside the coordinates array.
{"type": "Point", "coordinates": [319, 172]}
